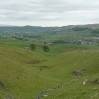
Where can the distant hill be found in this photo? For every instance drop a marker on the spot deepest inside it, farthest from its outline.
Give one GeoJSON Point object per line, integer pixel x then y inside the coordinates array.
{"type": "Point", "coordinates": [25, 29]}
{"type": "Point", "coordinates": [92, 26]}
{"type": "Point", "coordinates": [39, 29]}
{"type": "Point", "coordinates": [64, 34]}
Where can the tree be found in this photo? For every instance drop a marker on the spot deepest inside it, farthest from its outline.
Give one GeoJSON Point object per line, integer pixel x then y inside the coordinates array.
{"type": "Point", "coordinates": [32, 46]}
{"type": "Point", "coordinates": [45, 48]}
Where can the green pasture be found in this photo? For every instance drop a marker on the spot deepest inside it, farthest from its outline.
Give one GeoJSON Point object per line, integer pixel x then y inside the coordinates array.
{"type": "Point", "coordinates": [15, 43]}
{"type": "Point", "coordinates": [54, 48]}
{"type": "Point", "coordinates": [21, 70]}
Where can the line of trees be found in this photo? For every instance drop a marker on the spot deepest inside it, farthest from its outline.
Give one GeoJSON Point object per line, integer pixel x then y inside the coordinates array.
{"type": "Point", "coordinates": [79, 28]}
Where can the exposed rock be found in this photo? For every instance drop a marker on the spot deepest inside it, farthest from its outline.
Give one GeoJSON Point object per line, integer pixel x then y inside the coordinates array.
{"type": "Point", "coordinates": [3, 85]}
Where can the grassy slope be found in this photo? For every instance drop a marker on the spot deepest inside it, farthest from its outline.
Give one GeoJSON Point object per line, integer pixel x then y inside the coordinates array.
{"type": "Point", "coordinates": [65, 63]}
{"type": "Point", "coordinates": [25, 81]}
{"type": "Point", "coordinates": [16, 43]}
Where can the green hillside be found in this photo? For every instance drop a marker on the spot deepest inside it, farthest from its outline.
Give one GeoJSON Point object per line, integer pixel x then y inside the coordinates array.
{"type": "Point", "coordinates": [24, 74]}
{"type": "Point", "coordinates": [64, 65]}
{"type": "Point", "coordinates": [21, 79]}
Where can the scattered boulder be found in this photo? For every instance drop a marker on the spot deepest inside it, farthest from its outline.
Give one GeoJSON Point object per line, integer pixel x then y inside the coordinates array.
{"type": "Point", "coordinates": [27, 48]}
{"type": "Point", "coordinates": [40, 95]}
{"type": "Point", "coordinates": [3, 85]}
{"type": "Point", "coordinates": [7, 96]}
{"type": "Point", "coordinates": [95, 80]}
{"type": "Point", "coordinates": [78, 72]}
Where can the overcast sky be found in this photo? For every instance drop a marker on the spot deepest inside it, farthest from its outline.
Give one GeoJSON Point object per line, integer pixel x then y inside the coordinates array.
{"type": "Point", "coordinates": [49, 12]}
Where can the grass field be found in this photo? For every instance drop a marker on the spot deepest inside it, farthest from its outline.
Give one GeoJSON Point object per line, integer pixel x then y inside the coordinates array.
{"type": "Point", "coordinates": [54, 48]}
{"type": "Point", "coordinates": [26, 73]}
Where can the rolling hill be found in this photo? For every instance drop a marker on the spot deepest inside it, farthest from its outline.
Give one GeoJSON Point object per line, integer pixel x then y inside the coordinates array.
{"type": "Point", "coordinates": [65, 34]}
{"type": "Point", "coordinates": [24, 74]}
{"type": "Point", "coordinates": [18, 77]}
{"type": "Point", "coordinates": [72, 86]}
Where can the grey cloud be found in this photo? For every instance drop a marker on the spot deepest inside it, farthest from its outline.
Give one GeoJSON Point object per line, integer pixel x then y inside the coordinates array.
{"type": "Point", "coordinates": [49, 10]}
